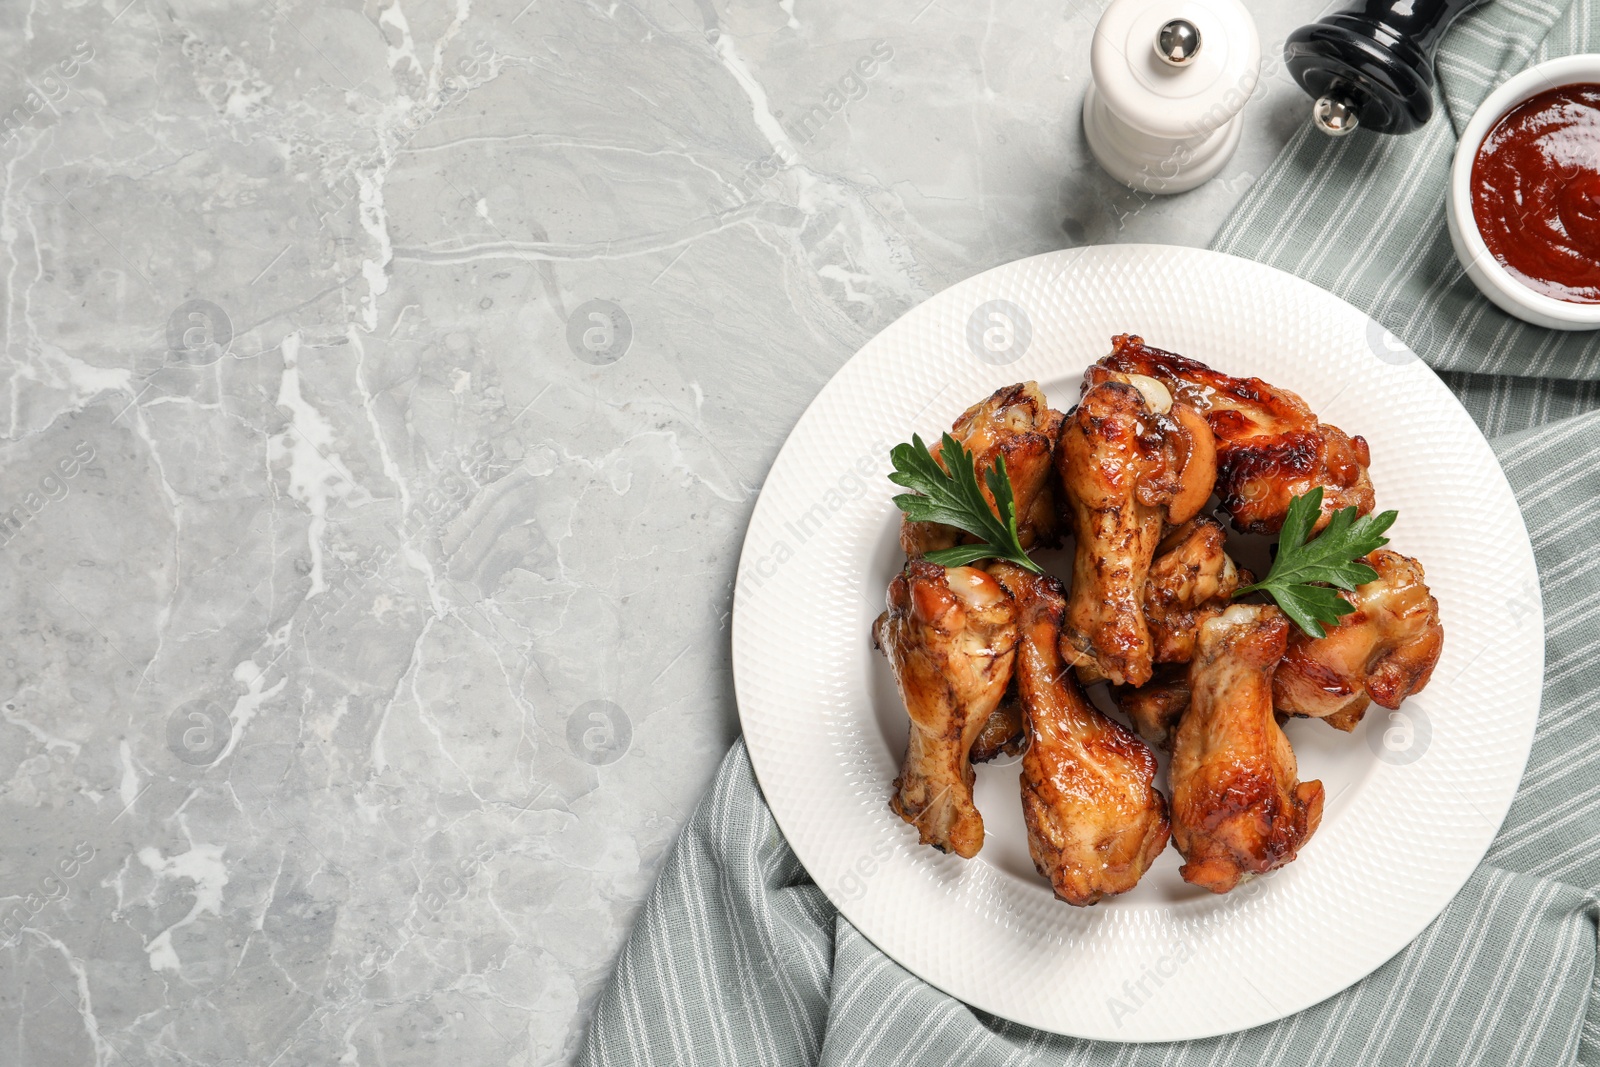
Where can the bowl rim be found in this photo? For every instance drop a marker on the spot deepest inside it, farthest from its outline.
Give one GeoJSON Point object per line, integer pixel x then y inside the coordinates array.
{"type": "Point", "coordinates": [1551, 74]}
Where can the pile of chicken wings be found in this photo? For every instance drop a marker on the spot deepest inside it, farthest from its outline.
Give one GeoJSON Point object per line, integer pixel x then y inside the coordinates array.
{"type": "Point", "coordinates": [993, 658]}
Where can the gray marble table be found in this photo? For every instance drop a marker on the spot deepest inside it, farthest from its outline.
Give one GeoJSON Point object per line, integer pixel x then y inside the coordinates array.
{"type": "Point", "coordinates": [386, 390]}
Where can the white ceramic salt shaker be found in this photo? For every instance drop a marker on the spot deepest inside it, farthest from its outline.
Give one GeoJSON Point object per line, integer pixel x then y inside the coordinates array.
{"type": "Point", "coordinates": [1170, 78]}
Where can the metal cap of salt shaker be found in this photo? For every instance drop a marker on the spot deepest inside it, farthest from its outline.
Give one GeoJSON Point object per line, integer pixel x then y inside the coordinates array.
{"type": "Point", "coordinates": [1170, 77]}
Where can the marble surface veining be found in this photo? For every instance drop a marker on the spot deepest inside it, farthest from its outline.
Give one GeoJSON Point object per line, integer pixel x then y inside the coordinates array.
{"type": "Point", "coordinates": [386, 389]}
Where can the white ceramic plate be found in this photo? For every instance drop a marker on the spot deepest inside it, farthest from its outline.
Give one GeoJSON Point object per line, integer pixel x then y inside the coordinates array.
{"type": "Point", "coordinates": [1413, 797]}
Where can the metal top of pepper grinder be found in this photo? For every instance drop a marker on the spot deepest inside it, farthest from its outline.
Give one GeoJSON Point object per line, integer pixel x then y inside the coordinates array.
{"type": "Point", "coordinates": [1370, 65]}
{"type": "Point", "coordinates": [1178, 42]}
{"type": "Point", "coordinates": [1335, 114]}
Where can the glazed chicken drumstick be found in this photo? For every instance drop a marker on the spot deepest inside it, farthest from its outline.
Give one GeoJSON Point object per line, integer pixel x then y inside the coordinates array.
{"type": "Point", "coordinates": [1017, 423]}
{"type": "Point", "coordinates": [1271, 446]}
{"type": "Point", "coordinates": [1157, 706]}
{"type": "Point", "coordinates": [1381, 653]}
{"type": "Point", "coordinates": [1004, 733]}
{"type": "Point", "coordinates": [1095, 822]}
{"type": "Point", "coordinates": [1238, 808]}
{"type": "Point", "coordinates": [1192, 578]}
{"type": "Point", "coordinates": [950, 635]}
{"type": "Point", "coordinates": [1132, 463]}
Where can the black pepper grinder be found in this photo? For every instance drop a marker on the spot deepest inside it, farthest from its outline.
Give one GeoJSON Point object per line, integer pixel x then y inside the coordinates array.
{"type": "Point", "coordinates": [1371, 65]}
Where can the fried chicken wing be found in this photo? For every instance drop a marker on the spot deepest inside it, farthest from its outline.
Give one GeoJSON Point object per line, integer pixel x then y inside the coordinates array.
{"type": "Point", "coordinates": [1238, 809]}
{"type": "Point", "coordinates": [1156, 708]}
{"type": "Point", "coordinates": [1131, 463]}
{"type": "Point", "coordinates": [1191, 579]}
{"type": "Point", "coordinates": [1270, 446]}
{"type": "Point", "coordinates": [1383, 652]}
{"type": "Point", "coordinates": [1095, 822]}
{"type": "Point", "coordinates": [1003, 734]}
{"type": "Point", "coordinates": [950, 635]}
{"type": "Point", "coordinates": [1017, 423]}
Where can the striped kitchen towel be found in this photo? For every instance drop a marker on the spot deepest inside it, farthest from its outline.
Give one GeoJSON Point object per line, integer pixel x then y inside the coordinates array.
{"type": "Point", "coordinates": [737, 958]}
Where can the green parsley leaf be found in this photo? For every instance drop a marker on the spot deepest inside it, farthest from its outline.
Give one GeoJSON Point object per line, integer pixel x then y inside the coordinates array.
{"type": "Point", "coordinates": [1304, 570]}
{"type": "Point", "coordinates": [949, 495]}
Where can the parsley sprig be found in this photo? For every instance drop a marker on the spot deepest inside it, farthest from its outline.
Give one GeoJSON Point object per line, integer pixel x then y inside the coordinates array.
{"type": "Point", "coordinates": [949, 494]}
{"type": "Point", "coordinates": [1304, 570]}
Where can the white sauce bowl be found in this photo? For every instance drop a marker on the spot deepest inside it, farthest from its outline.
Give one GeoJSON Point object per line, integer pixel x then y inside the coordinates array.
{"type": "Point", "coordinates": [1486, 272]}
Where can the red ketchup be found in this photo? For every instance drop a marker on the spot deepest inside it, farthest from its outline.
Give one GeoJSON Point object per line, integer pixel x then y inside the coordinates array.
{"type": "Point", "coordinates": [1536, 193]}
